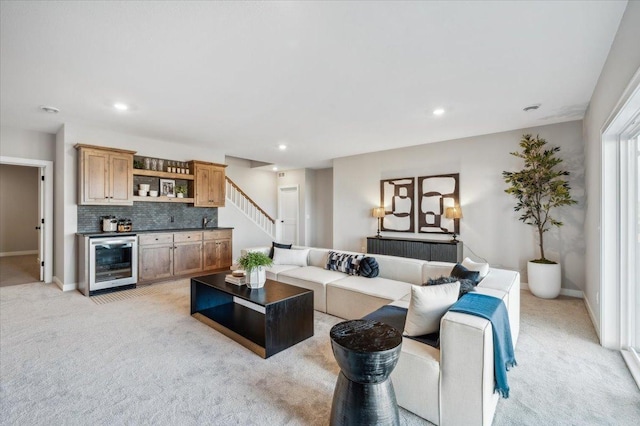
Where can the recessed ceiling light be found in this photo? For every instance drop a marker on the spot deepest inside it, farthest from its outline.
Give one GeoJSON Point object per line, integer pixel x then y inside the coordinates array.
{"type": "Point", "coordinates": [438, 111]}
{"type": "Point", "coordinates": [275, 169]}
{"type": "Point", "coordinates": [531, 107]}
{"type": "Point", "coordinates": [49, 109]}
{"type": "Point", "coordinates": [282, 147]}
{"type": "Point", "coordinates": [120, 106]}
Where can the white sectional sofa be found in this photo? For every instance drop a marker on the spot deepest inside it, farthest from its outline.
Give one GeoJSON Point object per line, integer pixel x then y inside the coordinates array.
{"type": "Point", "coordinates": [452, 385]}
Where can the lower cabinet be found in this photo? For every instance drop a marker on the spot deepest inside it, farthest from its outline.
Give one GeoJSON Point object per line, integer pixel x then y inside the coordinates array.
{"type": "Point", "coordinates": [167, 255]}
{"type": "Point", "coordinates": [155, 257]}
{"type": "Point", "coordinates": [216, 248]}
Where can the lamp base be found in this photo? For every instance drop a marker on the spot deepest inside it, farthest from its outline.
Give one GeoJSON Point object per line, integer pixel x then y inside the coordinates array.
{"type": "Point", "coordinates": [454, 239]}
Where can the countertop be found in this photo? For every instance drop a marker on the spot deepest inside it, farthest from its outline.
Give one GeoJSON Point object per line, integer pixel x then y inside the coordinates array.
{"type": "Point", "coordinates": [95, 234]}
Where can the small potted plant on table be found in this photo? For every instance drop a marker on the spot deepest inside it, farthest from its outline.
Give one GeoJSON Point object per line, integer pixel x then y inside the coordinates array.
{"type": "Point", "coordinates": [540, 187]}
{"type": "Point", "coordinates": [254, 264]}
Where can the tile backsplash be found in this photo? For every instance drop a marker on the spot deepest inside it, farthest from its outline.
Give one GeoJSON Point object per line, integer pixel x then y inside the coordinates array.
{"type": "Point", "coordinates": [148, 216]}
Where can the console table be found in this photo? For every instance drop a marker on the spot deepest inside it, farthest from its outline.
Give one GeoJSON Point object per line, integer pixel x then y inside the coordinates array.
{"type": "Point", "coordinates": [443, 251]}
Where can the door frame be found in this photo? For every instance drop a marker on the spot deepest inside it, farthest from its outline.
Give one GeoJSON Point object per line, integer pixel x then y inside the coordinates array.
{"type": "Point", "coordinates": [297, 188]}
{"type": "Point", "coordinates": [46, 194]}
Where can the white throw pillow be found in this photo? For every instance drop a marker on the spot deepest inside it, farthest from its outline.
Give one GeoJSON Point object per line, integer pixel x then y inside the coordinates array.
{"type": "Point", "coordinates": [427, 307]}
{"type": "Point", "coordinates": [290, 256]}
{"type": "Point", "coordinates": [483, 268]}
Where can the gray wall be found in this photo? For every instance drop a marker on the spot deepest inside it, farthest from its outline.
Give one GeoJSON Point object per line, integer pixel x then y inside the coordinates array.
{"type": "Point", "coordinates": [27, 144]}
{"type": "Point", "coordinates": [490, 227]}
{"type": "Point", "coordinates": [322, 211]}
{"type": "Point", "coordinates": [18, 208]}
{"type": "Point", "coordinates": [621, 65]}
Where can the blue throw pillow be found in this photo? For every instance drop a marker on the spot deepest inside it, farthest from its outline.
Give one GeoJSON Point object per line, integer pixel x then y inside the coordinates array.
{"type": "Point", "coordinates": [369, 267]}
{"type": "Point", "coordinates": [460, 271]}
{"type": "Point", "coordinates": [282, 246]}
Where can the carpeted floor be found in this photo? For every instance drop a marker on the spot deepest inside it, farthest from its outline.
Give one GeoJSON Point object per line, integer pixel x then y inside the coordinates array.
{"type": "Point", "coordinates": [144, 360]}
{"type": "Point", "coordinates": [16, 270]}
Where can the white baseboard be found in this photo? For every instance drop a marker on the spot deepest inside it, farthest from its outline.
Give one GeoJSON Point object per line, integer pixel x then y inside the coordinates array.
{"type": "Point", "coordinates": [18, 253]}
{"type": "Point", "coordinates": [563, 291]}
{"type": "Point", "coordinates": [63, 286]}
{"type": "Point", "coordinates": [593, 318]}
{"type": "Point", "coordinates": [633, 363]}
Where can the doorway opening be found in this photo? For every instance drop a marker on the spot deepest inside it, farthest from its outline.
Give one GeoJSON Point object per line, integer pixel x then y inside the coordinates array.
{"type": "Point", "coordinates": [17, 258]}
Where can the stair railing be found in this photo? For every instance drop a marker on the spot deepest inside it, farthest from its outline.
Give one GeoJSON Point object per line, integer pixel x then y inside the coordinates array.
{"type": "Point", "coordinates": [250, 208]}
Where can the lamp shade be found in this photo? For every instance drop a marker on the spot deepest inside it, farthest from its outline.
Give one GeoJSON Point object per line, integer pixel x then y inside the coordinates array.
{"type": "Point", "coordinates": [378, 212]}
{"type": "Point", "coordinates": [453, 213]}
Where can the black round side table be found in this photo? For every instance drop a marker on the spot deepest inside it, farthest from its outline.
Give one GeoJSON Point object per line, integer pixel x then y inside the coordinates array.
{"type": "Point", "coordinates": [367, 352]}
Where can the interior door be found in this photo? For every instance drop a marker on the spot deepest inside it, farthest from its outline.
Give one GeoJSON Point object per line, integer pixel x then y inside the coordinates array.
{"type": "Point", "coordinates": [40, 226]}
{"type": "Point", "coordinates": [288, 213]}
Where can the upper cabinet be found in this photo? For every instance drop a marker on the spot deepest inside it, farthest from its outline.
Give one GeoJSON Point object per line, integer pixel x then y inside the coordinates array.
{"type": "Point", "coordinates": [209, 184]}
{"type": "Point", "coordinates": [105, 176]}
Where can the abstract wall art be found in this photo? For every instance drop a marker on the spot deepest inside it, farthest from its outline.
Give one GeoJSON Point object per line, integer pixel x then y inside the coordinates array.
{"type": "Point", "coordinates": [435, 194]}
{"type": "Point", "coordinates": [397, 197]}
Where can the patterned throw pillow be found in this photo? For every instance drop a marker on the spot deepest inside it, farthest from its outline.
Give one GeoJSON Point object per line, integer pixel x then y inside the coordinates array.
{"type": "Point", "coordinates": [343, 262]}
{"type": "Point", "coordinates": [369, 267]}
{"type": "Point", "coordinates": [460, 271]}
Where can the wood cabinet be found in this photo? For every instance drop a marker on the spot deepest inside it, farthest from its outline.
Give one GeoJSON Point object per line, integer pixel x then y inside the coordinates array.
{"type": "Point", "coordinates": [176, 254]}
{"type": "Point", "coordinates": [155, 257]}
{"type": "Point", "coordinates": [443, 251]}
{"type": "Point", "coordinates": [105, 176]}
{"type": "Point", "coordinates": [217, 249]}
{"type": "Point", "coordinates": [187, 253]}
{"type": "Point", "coordinates": [209, 184]}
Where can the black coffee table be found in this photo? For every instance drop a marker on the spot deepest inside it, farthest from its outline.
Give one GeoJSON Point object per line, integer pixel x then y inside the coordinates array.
{"type": "Point", "coordinates": [266, 320]}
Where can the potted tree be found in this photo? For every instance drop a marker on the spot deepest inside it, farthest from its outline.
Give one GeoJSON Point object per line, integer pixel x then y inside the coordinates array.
{"type": "Point", "coordinates": [254, 263]}
{"type": "Point", "coordinates": [538, 188]}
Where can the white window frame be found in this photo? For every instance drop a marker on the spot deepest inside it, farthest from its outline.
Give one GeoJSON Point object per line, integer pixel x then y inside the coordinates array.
{"type": "Point", "coordinates": [618, 233]}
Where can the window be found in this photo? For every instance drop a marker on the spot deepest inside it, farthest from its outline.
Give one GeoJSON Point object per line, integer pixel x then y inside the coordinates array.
{"type": "Point", "coordinates": [620, 232]}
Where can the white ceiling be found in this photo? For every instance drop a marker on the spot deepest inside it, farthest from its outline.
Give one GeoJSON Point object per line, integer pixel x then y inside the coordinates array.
{"type": "Point", "coordinates": [329, 79]}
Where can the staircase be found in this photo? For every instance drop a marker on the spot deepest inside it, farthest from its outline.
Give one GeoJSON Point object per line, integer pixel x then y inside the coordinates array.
{"type": "Point", "coordinates": [246, 205]}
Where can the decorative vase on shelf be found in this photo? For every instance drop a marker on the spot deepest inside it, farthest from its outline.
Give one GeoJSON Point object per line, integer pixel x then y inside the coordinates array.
{"type": "Point", "coordinates": [256, 277]}
{"type": "Point", "coordinates": [180, 195]}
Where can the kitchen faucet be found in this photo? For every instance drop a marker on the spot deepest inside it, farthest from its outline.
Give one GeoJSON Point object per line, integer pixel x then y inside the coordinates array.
{"type": "Point", "coordinates": [204, 222]}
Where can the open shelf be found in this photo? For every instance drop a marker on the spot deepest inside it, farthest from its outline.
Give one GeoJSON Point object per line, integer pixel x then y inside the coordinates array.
{"type": "Point", "coordinates": [163, 175]}
{"type": "Point", "coordinates": [164, 199]}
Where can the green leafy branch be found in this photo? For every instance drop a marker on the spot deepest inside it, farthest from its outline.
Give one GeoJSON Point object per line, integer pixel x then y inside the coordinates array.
{"type": "Point", "coordinates": [538, 187]}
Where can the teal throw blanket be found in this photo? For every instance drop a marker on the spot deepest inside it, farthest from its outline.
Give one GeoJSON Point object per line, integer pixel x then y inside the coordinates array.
{"type": "Point", "coordinates": [494, 310]}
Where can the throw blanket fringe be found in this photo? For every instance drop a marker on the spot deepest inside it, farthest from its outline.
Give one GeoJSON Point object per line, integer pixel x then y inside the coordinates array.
{"type": "Point", "coordinates": [494, 310]}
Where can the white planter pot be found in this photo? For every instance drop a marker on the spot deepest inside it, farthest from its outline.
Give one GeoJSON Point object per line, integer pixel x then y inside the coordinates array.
{"type": "Point", "coordinates": [257, 277]}
{"type": "Point", "coordinates": [545, 279]}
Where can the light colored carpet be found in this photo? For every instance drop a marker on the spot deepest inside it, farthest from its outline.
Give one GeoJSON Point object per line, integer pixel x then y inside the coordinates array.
{"type": "Point", "coordinates": [145, 360]}
{"type": "Point", "coordinates": [117, 296]}
{"type": "Point", "coordinates": [16, 270]}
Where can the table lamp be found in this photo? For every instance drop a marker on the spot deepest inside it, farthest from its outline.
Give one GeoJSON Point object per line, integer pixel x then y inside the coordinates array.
{"type": "Point", "coordinates": [379, 213]}
{"type": "Point", "coordinates": [453, 213]}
